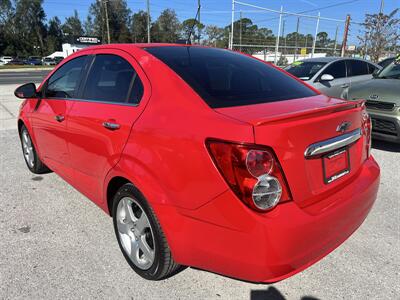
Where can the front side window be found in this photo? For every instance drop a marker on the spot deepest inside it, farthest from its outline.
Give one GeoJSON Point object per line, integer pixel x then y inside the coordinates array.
{"type": "Point", "coordinates": [112, 79]}
{"type": "Point", "coordinates": [224, 78]}
{"type": "Point", "coordinates": [64, 83]}
{"type": "Point", "coordinates": [371, 68]}
{"type": "Point", "coordinates": [336, 69]}
{"type": "Point", "coordinates": [358, 67]}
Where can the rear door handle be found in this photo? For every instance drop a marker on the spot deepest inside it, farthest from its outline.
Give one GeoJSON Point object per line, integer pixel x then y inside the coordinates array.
{"type": "Point", "coordinates": [111, 125]}
{"type": "Point", "coordinates": [346, 85]}
{"type": "Point", "coordinates": [59, 118]}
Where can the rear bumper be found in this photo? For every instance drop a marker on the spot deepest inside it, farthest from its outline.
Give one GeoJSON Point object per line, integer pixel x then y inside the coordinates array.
{"type": "Point", "coordinates": [385, 127]}
{"type": "Point", "coordinates": [225, 237]}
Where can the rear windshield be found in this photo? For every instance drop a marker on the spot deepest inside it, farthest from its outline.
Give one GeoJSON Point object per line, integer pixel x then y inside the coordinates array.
{"type": "Point", "coordinates": [224, 78]}
{"type": "Point", "coordinates": [304, 70]}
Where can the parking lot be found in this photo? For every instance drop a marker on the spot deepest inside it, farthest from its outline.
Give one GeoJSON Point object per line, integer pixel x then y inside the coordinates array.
{"type": "Point", "coordinates": [55, 243]}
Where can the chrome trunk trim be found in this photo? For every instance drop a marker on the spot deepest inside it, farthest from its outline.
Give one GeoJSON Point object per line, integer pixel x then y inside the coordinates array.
{"type": "Point", "coordinates": [332, 144]}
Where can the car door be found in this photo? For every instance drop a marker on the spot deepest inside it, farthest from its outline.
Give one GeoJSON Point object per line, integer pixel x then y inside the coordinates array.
{"type": "Point", "coordinates": [50, 116]}
{"type": "Point", "coordinates": [113, 97]}
{"type": "Point", "coordinates": [339, 85]}
{"type": "Point", "coordinates": [358, 70]}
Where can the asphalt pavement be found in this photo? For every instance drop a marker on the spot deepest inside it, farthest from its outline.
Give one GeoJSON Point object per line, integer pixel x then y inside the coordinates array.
{"type": "Point", "coordinates": [22, 76]}
{"type": "Point", "coordinates": [55, 244]}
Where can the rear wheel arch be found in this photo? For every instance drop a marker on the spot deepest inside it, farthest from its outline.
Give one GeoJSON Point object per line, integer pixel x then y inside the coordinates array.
{"type": "Point", "coordinates": [112, 188]}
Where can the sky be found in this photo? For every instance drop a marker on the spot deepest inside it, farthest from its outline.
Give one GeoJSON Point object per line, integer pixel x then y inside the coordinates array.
{"type": "Point", "coordinates": [218, 12]}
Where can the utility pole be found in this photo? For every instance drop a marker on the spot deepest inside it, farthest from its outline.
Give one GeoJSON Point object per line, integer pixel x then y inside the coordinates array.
{"type": "Point", "coordinates": [283, 36]}
{"type": "Point", "coordinates": [232, 19]}
{"type": "Point", "coordinates": [315, 36]}
{"type": "Point", "coordinates": [107, 23]}
{"type": "Point", "coordinates": [199, 8]}
{"type": "Point", "coordinates": [278, 35]}
{"type": "Point", "coordinates": [148, 21]}
{"type": "Point", "coordinates": [336, 34]}
{"type": "Point", "coordinates": [346, 33]}
{"type": "Point", "coordinates": [297, 38]}
{"type": "Point", "coordinates": [240, 33]}
{"type": "Point", "coordinates": [382, 6]}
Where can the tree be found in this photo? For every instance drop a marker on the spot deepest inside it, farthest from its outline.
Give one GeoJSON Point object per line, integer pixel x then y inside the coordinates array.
{"type": "Point", "coordinates": [322, 39]}
{"type": "Point", "coordinates": [7, 13]}
{"type": "Point", "coordinates": [54, 35]}
{"type": "Point", "coordinates": [30, 29]}
{"type": "Point", "coordinates": [73, 25]}
{"type": "Point", "coordinates": [381, 32]}
{"type": "Point", "coordinates": [88, 26]}
{"type": "Point", "coordinates": [139, 27]}
{"type": "Point", "coordinates": [166, 28]}
{"type": "Point", "coordinates": [118, 20]}
{"type": "Point", "coordinates": [215, 36]}
{"type": "Point", "coordinates": [191, 26]}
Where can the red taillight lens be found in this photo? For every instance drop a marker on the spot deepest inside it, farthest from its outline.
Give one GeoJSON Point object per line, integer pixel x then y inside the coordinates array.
{"type": "Point", "coordinates": [252, 172]}
{"type": "Point", "coordinates": [367, 128]}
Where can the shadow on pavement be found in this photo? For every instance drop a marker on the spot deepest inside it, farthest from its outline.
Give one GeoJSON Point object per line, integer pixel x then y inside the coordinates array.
{"type": "Point", "coordinates": [385, 146]}
{"type": "Point", "coordinates": [272, 293]}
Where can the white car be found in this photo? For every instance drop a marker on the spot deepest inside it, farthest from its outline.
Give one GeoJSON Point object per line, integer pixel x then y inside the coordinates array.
{"type": "Point", "coordinates": [5, 59]}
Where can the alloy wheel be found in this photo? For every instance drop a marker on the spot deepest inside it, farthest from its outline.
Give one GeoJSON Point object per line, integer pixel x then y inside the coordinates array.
{"type": "Point", "coordinates": [28, 149]}
{"type": "Point", "coordinates": [135, 233]}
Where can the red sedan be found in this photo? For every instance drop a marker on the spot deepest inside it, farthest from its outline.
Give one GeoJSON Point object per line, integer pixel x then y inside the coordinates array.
{"type": "Point", "coordinates": [203, 157]}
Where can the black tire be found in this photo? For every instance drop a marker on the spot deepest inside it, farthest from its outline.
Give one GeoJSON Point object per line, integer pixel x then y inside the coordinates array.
{"type": "Point", "coordinates": [163, 266]}
{"type": "Point", "coordinates": [37, 166]}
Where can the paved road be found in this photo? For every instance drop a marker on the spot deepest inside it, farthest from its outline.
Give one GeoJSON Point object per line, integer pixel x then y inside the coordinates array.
{"type": "Point", "coordinates": [19, 77]}
{"type": "Point", "coordinates": [57, 244]}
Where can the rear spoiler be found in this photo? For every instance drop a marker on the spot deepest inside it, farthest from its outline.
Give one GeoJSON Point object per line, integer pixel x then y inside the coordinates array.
{"type": "Point", "coordinates": [314, 112]}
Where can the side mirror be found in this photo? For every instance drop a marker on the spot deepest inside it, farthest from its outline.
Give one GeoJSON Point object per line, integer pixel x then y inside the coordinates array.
{"type": "Point", "coordinates": [327, 77]}
{"type": "Point", "coordinates": [27, 90]}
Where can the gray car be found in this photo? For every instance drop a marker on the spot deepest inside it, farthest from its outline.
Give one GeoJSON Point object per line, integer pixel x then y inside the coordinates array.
{"type": "Point", "coordinates": [383, 101]}
{"type": "Point", "coordinates": [333, 76]}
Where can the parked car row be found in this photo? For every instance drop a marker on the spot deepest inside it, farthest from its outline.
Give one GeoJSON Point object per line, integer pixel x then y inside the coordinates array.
{"type": "Point", "coordinates": [354, 79]}
{"type": "Point", "coordinates": [31, 60]}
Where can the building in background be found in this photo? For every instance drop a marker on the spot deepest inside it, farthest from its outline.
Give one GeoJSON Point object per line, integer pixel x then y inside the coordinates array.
{"type": "Point", "coordinates": [75, 43]}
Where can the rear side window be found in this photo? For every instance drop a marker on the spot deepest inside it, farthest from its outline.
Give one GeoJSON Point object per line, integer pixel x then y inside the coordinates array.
{"type": "Point", "coordinates": [336, 69]}
{"type": "Point", "coordinates": [224, 78]}
{"type": "Point", "coordinates": [64, 83]}
{"type": "Point", "coordinates": [112, 79]}
{"type": "Point", "coordinates": [358, 67]}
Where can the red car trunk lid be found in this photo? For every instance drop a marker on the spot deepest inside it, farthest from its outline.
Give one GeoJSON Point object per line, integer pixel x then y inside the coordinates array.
{"type": "Point", "coordinates": [290, 127]}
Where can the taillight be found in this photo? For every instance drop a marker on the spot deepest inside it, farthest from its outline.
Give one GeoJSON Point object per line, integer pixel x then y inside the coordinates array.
{"type": "Point", "coordinates": [367, 128]}
{"type": "Point", "coordinates": [252, 172]}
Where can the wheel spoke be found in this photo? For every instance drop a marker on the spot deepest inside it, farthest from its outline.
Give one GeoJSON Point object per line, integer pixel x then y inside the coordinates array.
{"type": "Point", "coordinates": [134, 249]}
{"type": "Point", "coordinates": [129, 216]}
{"type": "Point", "coordinates": [122, 227]}
{"type": "Point", "coordinates": [142, 223]}
{"type": "Point", "coordinates": [147, 251]}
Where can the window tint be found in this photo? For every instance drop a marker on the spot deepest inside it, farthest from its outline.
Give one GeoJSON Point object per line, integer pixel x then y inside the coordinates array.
{"type": "Point", "coordinates": [371, 68]}
{"type": "Point", "coordinates": [336, 69]}
{"type": "Point", "coordinates": [305, 70]}
{"type": "Point", "coordinates": [358, 67]}
{"type": "Point", "coordinates": [64, 83]}
{"type": "Point", "coordinates": [111, 79]}
{"type": "Point", "coordinates": [224, 78]}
